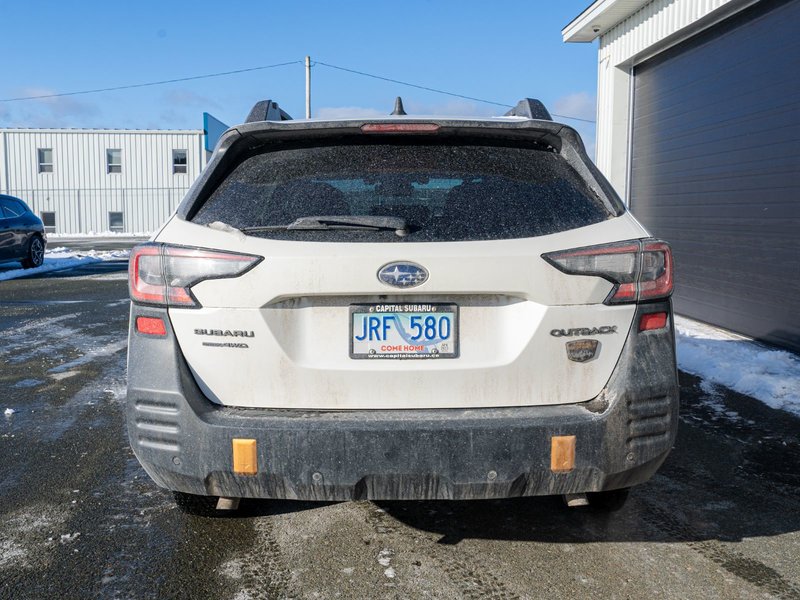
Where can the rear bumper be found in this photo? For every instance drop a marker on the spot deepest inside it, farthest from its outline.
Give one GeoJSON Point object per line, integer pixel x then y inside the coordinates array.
{"type": "Point", "coordinates": [184, 441]}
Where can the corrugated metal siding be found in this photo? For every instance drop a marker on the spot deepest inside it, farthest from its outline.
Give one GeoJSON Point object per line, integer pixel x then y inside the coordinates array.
{"type": "Point", "coordinates": [653, 24]}
{"type": "Point", "coordinates": [716, 159]}
{"type": "Point", "coordinates": [80, 190]}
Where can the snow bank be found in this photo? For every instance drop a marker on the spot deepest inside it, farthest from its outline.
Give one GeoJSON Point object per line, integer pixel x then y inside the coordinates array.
{"type": "Point", "coordinates": [58, 259]}
{"type": "Point", "coordinates": [62, 252]}
{"type": "Point", "coordinates": [739, 363]}
{"type": "Point", "coordinates": [100, 234]}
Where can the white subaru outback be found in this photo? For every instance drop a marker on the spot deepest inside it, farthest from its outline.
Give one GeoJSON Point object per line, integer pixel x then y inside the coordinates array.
{"type": "Point", "coordinates": [401, 308]}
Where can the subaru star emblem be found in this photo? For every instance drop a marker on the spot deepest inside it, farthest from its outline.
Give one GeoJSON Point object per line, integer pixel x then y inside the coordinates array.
{"type": "Point", "coordinates": [402, 274]}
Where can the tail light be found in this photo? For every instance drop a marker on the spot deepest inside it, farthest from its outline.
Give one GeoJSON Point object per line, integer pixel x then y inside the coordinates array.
{"type": "Point", "coordinates": [163, 275]}
{"type": "Point", "coordinates": [639, 269]}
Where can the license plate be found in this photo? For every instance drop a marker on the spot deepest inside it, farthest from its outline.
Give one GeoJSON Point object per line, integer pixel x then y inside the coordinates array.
{"type": "Point", "coordinates": [403, 331]}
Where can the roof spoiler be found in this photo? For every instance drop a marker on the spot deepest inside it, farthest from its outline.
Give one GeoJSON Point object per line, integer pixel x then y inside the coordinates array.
{"type": "Point", "coordinates": [267, 110]}
{"type": "Point", "coordinates": [530, 109]}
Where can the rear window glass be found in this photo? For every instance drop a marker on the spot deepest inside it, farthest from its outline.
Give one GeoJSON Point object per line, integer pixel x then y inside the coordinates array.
{"type": "Point", "coordinates": [12, 207]}
{"type": "Point", "coordinates": [446, 192]}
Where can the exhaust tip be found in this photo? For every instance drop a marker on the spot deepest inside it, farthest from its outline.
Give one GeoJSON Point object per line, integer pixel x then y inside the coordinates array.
{"type": "Point", "coordinates": [576, 500]}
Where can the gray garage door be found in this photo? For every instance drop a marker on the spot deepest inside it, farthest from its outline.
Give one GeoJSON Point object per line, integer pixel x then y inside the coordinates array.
{"type": "Point", "coordinates": [716, 169]}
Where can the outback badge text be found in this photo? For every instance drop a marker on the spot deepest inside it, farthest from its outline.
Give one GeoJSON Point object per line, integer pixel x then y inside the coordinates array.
{"type": "Point", "coordinates": [584, 331]}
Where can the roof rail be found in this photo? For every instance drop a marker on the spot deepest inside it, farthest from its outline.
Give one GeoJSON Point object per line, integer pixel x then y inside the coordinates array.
{"type": "Point", "coordinates": [267, 110]}
{"type": "Point", "coordinates": [530, 109]}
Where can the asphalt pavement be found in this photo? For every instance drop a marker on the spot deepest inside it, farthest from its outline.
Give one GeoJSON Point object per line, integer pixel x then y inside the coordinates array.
{"type": "Point", "coordinates": [79, 518]}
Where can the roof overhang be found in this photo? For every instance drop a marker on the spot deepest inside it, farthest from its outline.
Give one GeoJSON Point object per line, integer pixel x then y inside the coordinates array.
{"type": "Point", "coordinates": [598, 18]}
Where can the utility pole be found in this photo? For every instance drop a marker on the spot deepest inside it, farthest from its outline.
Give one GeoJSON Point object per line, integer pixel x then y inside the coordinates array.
{"type": "Point", "coordinates": [308, 87]}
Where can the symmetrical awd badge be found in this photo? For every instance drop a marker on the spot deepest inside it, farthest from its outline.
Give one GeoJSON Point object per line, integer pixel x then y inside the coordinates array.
{"type": "Point", "coordinates": [402, 274]}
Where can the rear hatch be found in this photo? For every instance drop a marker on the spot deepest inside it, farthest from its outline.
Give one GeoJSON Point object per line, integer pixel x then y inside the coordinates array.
{"type": "Point", "coordinates": [456, 308]}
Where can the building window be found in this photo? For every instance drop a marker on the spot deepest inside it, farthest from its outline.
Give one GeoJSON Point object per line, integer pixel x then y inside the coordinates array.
{"type": "Point", "coordinates": [114, 160]}
{"type": "Point", "coordinates": [179, 161]}
{"type": "Point", "coordinates": [116, 222]}
{"type": "Point", "coordinates": [49, 222]}
{"type": "Point", "coordinates": [45, 156]}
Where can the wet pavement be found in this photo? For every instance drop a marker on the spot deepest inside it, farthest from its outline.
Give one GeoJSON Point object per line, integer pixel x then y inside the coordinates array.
{"type": "Point", "coordinates": [80, 519]}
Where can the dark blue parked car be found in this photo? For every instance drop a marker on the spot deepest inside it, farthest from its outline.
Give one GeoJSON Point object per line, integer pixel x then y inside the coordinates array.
{"type": "Point", "coordinates": [21, 233]}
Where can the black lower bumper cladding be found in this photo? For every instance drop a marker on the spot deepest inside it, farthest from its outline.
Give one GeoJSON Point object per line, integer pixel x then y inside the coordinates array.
{"type": "Point", "coordinates": [184, 441]}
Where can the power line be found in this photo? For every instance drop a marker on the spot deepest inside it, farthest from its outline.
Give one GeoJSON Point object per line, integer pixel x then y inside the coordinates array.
{"type": "Point", "coordinates": [592, 121]}
{"type": "Point", "coordinates": [414, 85]}
{"type": "Point", "coordinates": [283, 64]}
{"type": "Point", "coordinates": [437, 91]}
{"type": "Point", "coordinates": [152, 83]}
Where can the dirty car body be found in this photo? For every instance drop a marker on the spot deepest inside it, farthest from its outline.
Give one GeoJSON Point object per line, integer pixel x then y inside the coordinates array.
{"type": "Point", "coordinates": [401, 308]}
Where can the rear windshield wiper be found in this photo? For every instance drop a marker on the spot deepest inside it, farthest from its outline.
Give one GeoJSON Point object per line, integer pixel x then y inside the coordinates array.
{"type": "Point", "coordinates": [363, 222]}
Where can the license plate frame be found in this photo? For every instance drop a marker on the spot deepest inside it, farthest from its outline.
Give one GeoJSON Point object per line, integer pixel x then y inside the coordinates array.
{"type": "Point", "coordinates": [408, 309]}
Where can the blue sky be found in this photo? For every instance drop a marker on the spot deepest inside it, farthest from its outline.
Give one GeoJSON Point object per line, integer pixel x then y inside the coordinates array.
{"type": "Point", "coordinates": [499, 51]}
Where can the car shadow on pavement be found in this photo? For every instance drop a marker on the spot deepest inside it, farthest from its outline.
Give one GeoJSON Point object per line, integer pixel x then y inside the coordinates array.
{"type": "Point", "coordinates": [734, 474]}
{"type": "Point", "coordinates": [253, 508]}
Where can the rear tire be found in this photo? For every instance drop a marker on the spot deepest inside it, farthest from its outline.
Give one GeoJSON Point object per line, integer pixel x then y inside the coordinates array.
{"type": "Point", "coordinates": [608, 501]}
{"type": "Point", "coordinates": [198, 506]}
{"type": "Point", "coordinates": [35, 256]}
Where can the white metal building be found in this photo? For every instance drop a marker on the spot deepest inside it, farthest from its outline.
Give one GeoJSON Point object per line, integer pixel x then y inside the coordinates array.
{"type": "Point", "coordinates": [96, 180]}
{"type": "Point", "coordinates": [698, 129]}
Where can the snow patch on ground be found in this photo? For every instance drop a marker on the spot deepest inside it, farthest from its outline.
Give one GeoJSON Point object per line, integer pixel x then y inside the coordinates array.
{"type": "Point", "coordinates": [64, 375]}
{"type": "Point", "coordinates": [385, 557]}
{"type": "Point", "coordinates": [120, 275]}
{"type": "Point", "coordinates": [8, 412]}
{"type": "Point", "coordinates": [62, 338]}
{"type": "Point", "coordinates": [72, 411]}
{"type": "Point", "coordinates": [713, 398]}
{"type": "Point", "coordinates": [66, 538]}
{"type": "Point", "coordinates": [137, 503]}
{"type": "Point", "coordinates": [25, 535]}
{"type": "Point", "coordinates": [57, 338]}
{"type": "Point", "coordinates": [736, 362]}
{"type": "Point", "coordinates": [117, 392]}
{"type": "Point", "coordinates": [90, 355]}
{"type": "Point", "coordinates": [64, 252]}
{"type": "Point", "coordinates": [60, 258]}
{"type": "Point", "coordinates": [385, 560]}
{"type": "Point", "coordinates": [28, 383]}
{"type": "Point", "coordinates": [232, 569]}
{"type": "Point", "coordinates": [10, 553]}
{"type": "Point", "coordinates": [42, 324]}
{"type": "Point", "coordinates": [124, 302]}
{"type": "Point", "coordinates": [98, 234]}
